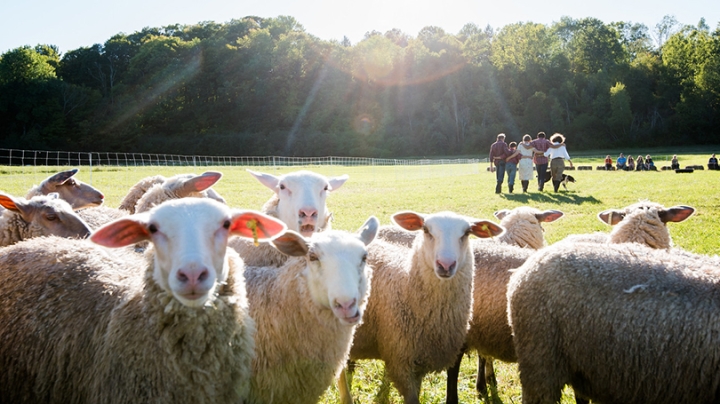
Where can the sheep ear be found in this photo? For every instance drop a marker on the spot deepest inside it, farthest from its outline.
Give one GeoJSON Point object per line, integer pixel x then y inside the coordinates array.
{"type": "Point", "coordinates": [61, 177]}
{"type": "Point", "coordinates": [256, 226]}
{"type": "Point", "coordinates": [486, 229]}
{"type": "Point", "coordinates": [292, 244]}
{"type": "Point", "coordinates": [409, 220]}
{"type": "Point", "coordinates": [500, 214]}
{"type": "Point", "coordinates": [201, 182]}
{"type": "Point", "coordinates": [611, 216]}
{"type": "Point", "coordinates": [122, 232]}
{"type": "Point", "coordinates": [336, 182]}
{"type": "Point", "coordinates": [549, 216]}
{"type": "Point", "coordinates": [268, 180]}
{"type": "Point", "coordinates": [368, 231]}
{"type": "Point", "coordinates": [9, 203]}
{"type": "Point", "coordinates": [676, 214]}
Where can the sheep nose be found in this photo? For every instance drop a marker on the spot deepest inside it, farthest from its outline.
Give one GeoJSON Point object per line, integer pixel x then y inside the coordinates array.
{"type": "Point", "coordinates": [192, 276]}
{"type": "Point", "coordinates": [308, 214]}
{"type": "Point", "coordinates": [445, 267]}
{"type": "Point", "coordinates": [347, 307]}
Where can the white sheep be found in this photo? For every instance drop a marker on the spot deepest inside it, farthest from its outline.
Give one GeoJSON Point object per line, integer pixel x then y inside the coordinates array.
{"type": "Point", "coordinates": [136, 192]}
{"type": "Point", "coordinates": [306, 312]}
{"type": "Point", "coordinates": [299, 200]}
{"type": "Point", "coordinates": [77, 193]}
{"type": "Point", "coordinates": [82, 325]}
{"type": "Point", "coordinates": [489, 333]}
{"type": "Point", "coordinates": [42, 215]}
{"type": "Point", "coordinates": [644, 222]}
{"type": "Point", "coordinates": [417, 314]}
{"type": "Point", "coordinates": [177, 186]}
{"type": "Point", "coordinates": [624, 323]}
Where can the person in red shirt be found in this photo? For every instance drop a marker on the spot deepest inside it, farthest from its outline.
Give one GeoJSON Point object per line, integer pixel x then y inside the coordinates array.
{"type": "Point", "coordinates": [511, 165]}
{"type": "Point", "coordinates": [498, 152]}
{"type": "Point", "coordinates": [608, 163]}
{"type": "Point", "coordinates": [541, 162]}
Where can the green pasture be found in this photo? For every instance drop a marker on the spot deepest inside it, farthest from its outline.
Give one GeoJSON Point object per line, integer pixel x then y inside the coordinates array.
{"type": "Point", "coordinates": [466, 189]}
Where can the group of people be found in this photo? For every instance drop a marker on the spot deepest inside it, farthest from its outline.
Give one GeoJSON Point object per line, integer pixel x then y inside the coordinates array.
{"type": "Point", "coordinates": [630, 164]}
{"type": "Point", "coordinates": [519, 158]}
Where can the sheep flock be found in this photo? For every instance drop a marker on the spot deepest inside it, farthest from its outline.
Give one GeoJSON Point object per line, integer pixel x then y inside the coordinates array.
{"type": "Point", "coordinates": [177, 295]}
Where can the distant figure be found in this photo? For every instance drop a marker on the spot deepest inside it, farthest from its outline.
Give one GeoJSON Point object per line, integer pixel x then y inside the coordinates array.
{"type": "Point", "coordinates": [525, 166]}
{"type": "Point", "coordinates": [557, 156]}
{"type": "Point", "coordinates": [630, 164]}
{"type": "Point", "coordinates": [541, 162]}
{"type": "Point", "coordinates": [498, 152]}
{"type": "Point", "coordinates": [621, 162]}
{"type": "Point", "coordinates": [649, 165]}
{"type": "Point", "coordinates": [511, 164]}
{"type": "Point", "coordinates": [713, 163]}
{"type": "Point", "coordinates": [674, 165]}
{"type": "Point", "coordinates": [639, 164]}
{"type": "Point", "coordinates": [608, 163]}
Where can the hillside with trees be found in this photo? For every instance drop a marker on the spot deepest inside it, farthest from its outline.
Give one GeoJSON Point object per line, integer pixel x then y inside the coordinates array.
{"type": "Point", "coordinates": [264, 86]}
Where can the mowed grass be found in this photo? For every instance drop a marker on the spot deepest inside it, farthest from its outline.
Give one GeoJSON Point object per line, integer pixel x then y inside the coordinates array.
{"type": "Point", "coordinates": [465, 189]}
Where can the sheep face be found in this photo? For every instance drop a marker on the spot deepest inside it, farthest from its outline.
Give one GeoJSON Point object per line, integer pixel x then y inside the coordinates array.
{"type": "Point", "coordinates": [190, 240]}
{"type": "Point", "coordinates": [336, 271]}
{"type": "Point", "coordinates": [644, 223]}
{"type": "Point", "coordinates": [301, 198]}
{"type": "Point", "coordinates": [47, 215]}
{"type": "Point", "coordinates": [76, 192]}
{"type": "Point", "coordinates": [445, 239]}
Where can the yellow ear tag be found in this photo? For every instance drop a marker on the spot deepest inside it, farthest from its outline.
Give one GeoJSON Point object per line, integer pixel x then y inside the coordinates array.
{"type": "Point", "coordinates": [252, 225]}
{"type": "Point", "coordinates": [485, 228]}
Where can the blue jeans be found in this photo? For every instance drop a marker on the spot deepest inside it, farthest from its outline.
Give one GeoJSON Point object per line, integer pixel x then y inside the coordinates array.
{"type": "Point", "coordinates": [500, 171]}
{"type": "Point", "coordinates": [511, 169]}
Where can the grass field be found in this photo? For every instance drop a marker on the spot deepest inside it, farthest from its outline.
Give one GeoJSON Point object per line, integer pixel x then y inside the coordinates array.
{"type": "Point", "coordinates": [465, 189]}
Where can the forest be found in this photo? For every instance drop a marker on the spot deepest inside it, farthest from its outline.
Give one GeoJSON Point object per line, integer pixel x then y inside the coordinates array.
{"type": "Point", "coordinates": [265, 86]}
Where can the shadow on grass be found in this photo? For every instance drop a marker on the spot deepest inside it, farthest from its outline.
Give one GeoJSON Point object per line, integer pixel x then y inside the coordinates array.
{"type": "Point", "coordinates": [569, 197]}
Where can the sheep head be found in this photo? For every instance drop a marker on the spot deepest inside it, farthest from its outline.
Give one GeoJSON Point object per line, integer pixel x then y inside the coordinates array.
{"type": "Point", "coordinates": [190, 241]}
{"type": "Point", "coordinates": [78, 194]}
{"type": "Point", "coordinates": [337, 274]}
{"type": "Point", "coordinates": [301, 198]}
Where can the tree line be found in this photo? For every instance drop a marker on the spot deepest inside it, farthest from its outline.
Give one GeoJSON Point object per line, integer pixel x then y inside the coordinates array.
{"type": "Point", "coordinates": [264, 86]}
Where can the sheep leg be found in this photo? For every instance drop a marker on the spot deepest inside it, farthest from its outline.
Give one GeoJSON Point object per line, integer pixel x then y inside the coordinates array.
{"type": "Point", "coordinates": [407, 382]}
{"type": "Point", "coordinates": [345, 383]}
{"type": "Point", "coordinates": [490, 378]}
{"type": "Point", "coordinates": [453, 372]}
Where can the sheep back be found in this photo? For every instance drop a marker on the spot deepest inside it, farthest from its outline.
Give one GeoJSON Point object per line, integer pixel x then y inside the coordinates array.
{"type": "Point", "coordinates": [489, 332]}
{"type": "Point", "coordinates": [650, 325]}
{"type": "Point", "coordinates": [85, 326]}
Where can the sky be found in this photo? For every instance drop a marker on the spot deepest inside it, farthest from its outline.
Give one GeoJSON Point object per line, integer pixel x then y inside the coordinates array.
{"type": "Point", "coordinates": [71, 24]}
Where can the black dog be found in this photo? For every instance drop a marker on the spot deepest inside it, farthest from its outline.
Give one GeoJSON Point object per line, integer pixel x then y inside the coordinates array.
{"type": "Point", "coordinates": [565, 179]}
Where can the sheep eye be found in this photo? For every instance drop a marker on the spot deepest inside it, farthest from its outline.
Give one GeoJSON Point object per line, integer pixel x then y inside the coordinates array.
{"type": "Point", "coordinates": [326, 188]}
{"type": "Point", "coordinates": [282, 186]}
{"type": "Point", "coordinates": [364, 258]}
{"type": "Point", "coordinates": [152, 229]}
{"type": "Point", "coordinates": [313, 257]}
{"type": "Point", "coordinates": [51, 217]}
{"type": "Point", "coordinates": [226, 225]}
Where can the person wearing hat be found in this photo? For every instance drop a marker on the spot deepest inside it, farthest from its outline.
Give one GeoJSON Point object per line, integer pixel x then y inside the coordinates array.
{"type": "Point", "coordinates": [557, 158]}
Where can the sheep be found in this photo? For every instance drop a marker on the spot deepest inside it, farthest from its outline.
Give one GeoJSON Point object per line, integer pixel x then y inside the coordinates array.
{"type": "Point", "coordinates": [299, 201]}
{"type": "Point", "coordinates": [138, 190]}
{"type": "Point", "coordinates": [77, 193]}
{"type": "Point", "coordinates": [316, 299]}
{"type": "Point", "coordinates": [489, 333]}
{"type": "Point", "coordinates": [650, 324]}
{"type": "Point", "coordinates": [42, 215]}
{"type": "Point", "coordinates": [82, 325]}
{"type": "Point", "coordinates": [644, 222]}
{"type": "Point", "coordinates": [178, 186]}
{"type": "Point", "coordinates": [418, 311]}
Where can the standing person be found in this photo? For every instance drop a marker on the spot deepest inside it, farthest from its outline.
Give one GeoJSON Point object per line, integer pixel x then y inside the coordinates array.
{"type": "Point", "coordinates": [541, 162]}
{"type": "Point", "coordinates": [621, 161]}
{"type": "Point", "coordinates": [511, 166]}
{"type": "Point", "coordinates": [608, 163]}
{"type": "Point", "coordinates": [498, 152]}
{"type": "Point", "coordinates": [557, 156]}
{"type": "Point", "coordinates": [525, 154]}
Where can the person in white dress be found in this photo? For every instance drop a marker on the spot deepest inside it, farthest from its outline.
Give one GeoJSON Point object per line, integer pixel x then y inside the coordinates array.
{"type": "Point", "coordinates": [525, 167]}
